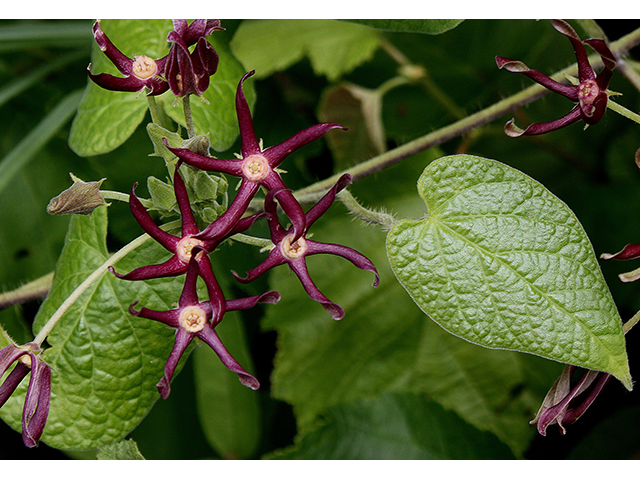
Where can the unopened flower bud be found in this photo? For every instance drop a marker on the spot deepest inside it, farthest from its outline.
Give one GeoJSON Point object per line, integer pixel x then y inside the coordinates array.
{"type": "Point", "coordinates": [80, 198]}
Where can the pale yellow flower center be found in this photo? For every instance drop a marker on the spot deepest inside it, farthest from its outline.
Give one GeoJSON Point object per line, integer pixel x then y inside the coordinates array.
{"type": "Point", "coordinates": [185, 246]}
{"type": "Point", "coordinates": [144, 67]}
{"type": "Point", "coordinates": [588, 91]}
{"type": "Point", "coordinates": [193, 319]}
{"type": "Point", "coordinates": [295, 250]}
{"type": "Point", "coordinates": [255, 167]}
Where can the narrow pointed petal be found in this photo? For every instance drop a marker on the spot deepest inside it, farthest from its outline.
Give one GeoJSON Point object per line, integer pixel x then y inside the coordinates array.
{"type": "Point", "coordinates": [221, 226]}
{"type": "Point", "coordinates": [631, 276]}
{"type": "Point", "coordinates": [292, 209]}
{"type": "Point", "coordinates": [211, 338]}
{"type": "Point", "coordinates": [278, 153]}
{"type": "Point", "coordinates": [600, 46]}
{"type": "Point", "coordinates": [248, 302]}
{"type": "Point", "coordinates": [274, 259]}
{"type": "Point", "coordinates": [516, 66]}
{"type": "Point", "coordinates": [631, 250]}
{"type": "Point", "coordinates": [216, 297]}
{"type": "Point", "coordinates": [538, 128]}
{"type": "Point", "coordinates": [171, 268]}
{"type": "Point", "coordinates": [325, 202]}
{"type": "Point", "coordinates": [38, 398]}
{"type": "Point", "coordinates": [119, 59]}
{"type": "Point", "coordinates": [169, 317]}
{"type": "Point", "coordinates": [584, 68]}
{"type": "Point", "coordinates": [230, 166]}
{"type": "Point", "coordinates": [300, 269]}
{"type": "Point", "coordinates": [12, 381]}
{"type": "Point", "coordinates": [355, 257]}
{"type": "Point", "coordinates": [189, 294]}
{"type": "Point", "coordinates": [148, 225]}
{"type": "Point", "coordinates": [189, 225]}
{"type": "Point", "coordinates": [601, 380]}
{"type": "Point", "coordinates": [183, 338]}
{"type": "Point", "coordinates": [250, 144]}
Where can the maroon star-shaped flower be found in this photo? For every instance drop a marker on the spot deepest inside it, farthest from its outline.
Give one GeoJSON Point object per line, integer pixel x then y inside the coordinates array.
{"type": "Point", "coordinates": [193, 318]}
{"type": "Point", "coordinates": [589, 94]}
{"type": "Point", "coordinates": [293, 251]}
{"type": "Point", "coordinates": [139, 72]}
{"type": "Point", "coordinates": [256, 167]}
{"type": "Point", "coordinates": [181, 247]}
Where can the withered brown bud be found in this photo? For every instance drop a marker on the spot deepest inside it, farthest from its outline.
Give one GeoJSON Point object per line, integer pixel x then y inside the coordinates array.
{"type": "Point", "coordinates": [80, 198]}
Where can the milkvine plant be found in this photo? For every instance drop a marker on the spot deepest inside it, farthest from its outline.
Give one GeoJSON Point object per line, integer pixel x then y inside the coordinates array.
{"type": "Point", "coordinates": [495, 258]}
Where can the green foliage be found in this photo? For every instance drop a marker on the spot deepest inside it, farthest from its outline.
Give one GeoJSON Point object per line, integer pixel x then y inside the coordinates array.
{"type": "Point", "coordinates": [395, 427]}
{"type": "Point", "coordinates": [514, 269]}
{"type": "Point", "coordinates": [502, 262]}
{"type": "Point", "coordinates": [105, 362]}
{"type": "Point", "coordinates": [334, 48]}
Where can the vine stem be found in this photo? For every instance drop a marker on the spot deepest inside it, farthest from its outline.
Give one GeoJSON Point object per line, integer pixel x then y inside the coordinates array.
{"type": "Point", "coordinates": [462, 126]}
{"type": "Point", "coordinates": [631, 323]}
{"type": "Point", "coordinates": [95, 275]}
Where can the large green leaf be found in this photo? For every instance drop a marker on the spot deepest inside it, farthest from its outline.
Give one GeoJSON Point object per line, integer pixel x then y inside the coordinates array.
{"type": "Point", "coordinates": [105, 362]}
{"type": "Point", "coordinates": [334, 48]}
{"type": "Point", "coordinates": [384, 344]}
{"type": "Point", "coordinates": [502, 262]}
{"type": "Point", "coordinates": [395, 427]}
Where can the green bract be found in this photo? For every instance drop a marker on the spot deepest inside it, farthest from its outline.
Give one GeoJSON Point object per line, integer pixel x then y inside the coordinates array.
{"type": "Point", "coordinates": [502, 262]}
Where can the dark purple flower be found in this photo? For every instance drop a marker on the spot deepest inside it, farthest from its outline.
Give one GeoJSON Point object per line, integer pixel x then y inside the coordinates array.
{"type": "Point", "coordinates": [139, 72]}
{"type": "Point", "coordinates": [36, 404]}
{"type": "Point", "coordinates": [293, 252]}
{"type": "Point", "coordinates": [193, 318]}
{"type": "Point", "coordinates": [188, 73]}
{"type": "Point", "coordinates": [563, 404]}
{"type": "Point", "coordinates": [256, 167]}
{"type": "Point", "coordinates": [181, 247]}
{"type": "Point", "coordinates": [589, 94]}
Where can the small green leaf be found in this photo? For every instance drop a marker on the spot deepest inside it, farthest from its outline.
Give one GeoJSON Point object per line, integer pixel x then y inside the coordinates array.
{"type": "Point", "coordinates": [156, 134]}
{"type": "Point", "coordinates": [428, 26]}
{"type": "Point", "coordinates": [162, 194]}
{"type": "Point", "coordinates": [503, 263]}
{"type": "Point", "coordinates": [395, 427]}
{"type": "Point", "coordinates": [124, 450]}
{"type": "Point", "coordinates": [334, 48]}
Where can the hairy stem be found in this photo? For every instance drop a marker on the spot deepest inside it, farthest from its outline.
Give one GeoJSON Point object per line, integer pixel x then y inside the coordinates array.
{"type": "Point", "coordinates": [385, 220]}
{"type": "Point", "coordinates": [37, 288]}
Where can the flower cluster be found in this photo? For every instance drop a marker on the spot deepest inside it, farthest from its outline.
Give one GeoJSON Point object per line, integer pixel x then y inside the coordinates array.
{"type": "Point", "coordinates": [188, 73]}
{"type": "Point", "coordinates": [590, 93]}
{"type": "Point", "coordinates": [183, 72]}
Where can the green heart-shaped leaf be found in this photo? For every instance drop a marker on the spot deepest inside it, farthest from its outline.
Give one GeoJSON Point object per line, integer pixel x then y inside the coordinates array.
{"type": "Point", "coordinates": [503, 263]}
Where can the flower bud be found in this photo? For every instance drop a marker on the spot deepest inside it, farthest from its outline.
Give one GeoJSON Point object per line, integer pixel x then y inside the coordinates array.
{"type": "Point", "coordinates": [80, 198]}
